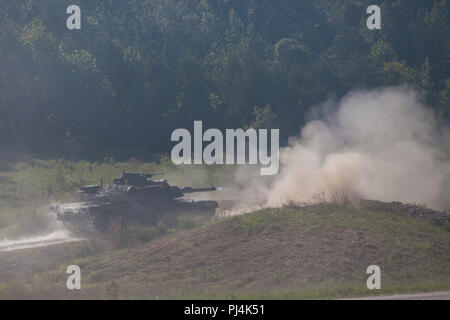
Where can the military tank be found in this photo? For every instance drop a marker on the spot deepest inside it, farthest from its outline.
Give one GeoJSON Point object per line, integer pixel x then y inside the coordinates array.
{"type": "Point", "coordinates": [132, 198]}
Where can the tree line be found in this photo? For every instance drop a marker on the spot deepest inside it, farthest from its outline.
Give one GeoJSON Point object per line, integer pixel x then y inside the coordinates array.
{"type": "Point", "coordinates": [139, 69]}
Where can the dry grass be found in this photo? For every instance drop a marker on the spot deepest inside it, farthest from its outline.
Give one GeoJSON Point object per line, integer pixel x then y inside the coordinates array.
{"type": "Point", "coordinates": [319, 251]}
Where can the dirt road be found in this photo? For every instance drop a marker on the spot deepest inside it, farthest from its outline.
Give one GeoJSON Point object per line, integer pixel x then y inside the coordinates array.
{"type": "Point", "coordinates": [56, 237]}
{"type": "Point", "coordinates": [441, 295]}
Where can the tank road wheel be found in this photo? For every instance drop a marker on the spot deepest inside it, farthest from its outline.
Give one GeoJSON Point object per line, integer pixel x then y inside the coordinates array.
{"type": "Point", "coordinates": [207, 207]}
{"type": "Point", "coordinates": [77, 228]}
{"type": "Point", "coordinates": [102, 223]}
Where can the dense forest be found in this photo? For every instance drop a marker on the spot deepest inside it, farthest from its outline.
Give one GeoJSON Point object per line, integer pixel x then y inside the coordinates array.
{"type": "Point", "coordinates": [139, 69]}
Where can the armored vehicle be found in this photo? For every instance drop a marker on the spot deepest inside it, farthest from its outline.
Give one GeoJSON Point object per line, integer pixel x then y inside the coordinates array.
{"type": "Point", "coordinates": [132, 198]}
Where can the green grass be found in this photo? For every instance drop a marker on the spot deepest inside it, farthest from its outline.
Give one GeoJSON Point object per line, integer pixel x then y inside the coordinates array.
{"type": "Point", "coordinates": [338, 241]}
{"type": "Point", "coordinates": [319, 217]}
{"type": "Point", "coordinates": [325, 291]}
{"type": "Point", "coordinates": [413, 252]}
{"type": "Point", "coordinates": [28, 188]}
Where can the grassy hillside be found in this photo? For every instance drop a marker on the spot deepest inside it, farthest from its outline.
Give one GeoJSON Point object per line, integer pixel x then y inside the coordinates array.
{"type": "Point", "coordinates": [320, 251]}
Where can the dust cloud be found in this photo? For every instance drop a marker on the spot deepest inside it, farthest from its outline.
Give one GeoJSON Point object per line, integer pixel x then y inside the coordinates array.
{"type": "Point", "coordinates": [380, 144]}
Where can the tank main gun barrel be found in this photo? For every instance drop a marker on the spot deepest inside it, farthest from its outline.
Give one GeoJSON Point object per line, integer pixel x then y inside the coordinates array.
{"type": "Point", "coordinates": [193, 190]}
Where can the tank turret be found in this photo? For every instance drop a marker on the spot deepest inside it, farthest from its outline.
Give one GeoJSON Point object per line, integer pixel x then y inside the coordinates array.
{"type": "Point", "coordinates": [136, 179]}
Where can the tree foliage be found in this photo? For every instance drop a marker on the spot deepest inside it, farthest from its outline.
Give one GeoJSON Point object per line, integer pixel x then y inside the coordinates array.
{"type": "Point", "coordinates": [139, 69]}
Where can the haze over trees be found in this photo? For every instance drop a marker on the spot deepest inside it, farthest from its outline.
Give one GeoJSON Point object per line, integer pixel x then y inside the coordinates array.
{"type": "Point", "coordinates": [139, 69]}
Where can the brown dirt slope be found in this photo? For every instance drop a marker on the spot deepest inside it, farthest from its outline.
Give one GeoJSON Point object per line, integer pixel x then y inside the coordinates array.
{"type": "Point", "coordinates": [321, 250]}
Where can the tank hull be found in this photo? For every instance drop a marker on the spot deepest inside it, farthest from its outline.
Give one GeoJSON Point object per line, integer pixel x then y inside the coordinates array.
{"type": "Point", "coordinates": [89, 218]}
